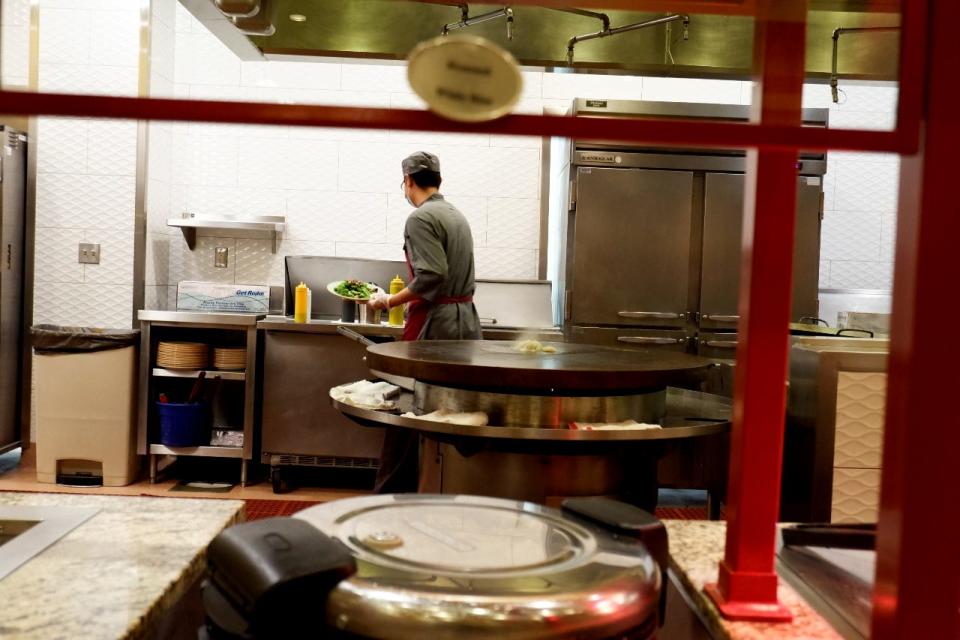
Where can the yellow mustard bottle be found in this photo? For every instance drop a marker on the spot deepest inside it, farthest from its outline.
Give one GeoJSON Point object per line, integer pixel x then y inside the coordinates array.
{"type": "Point", "coordinates": [396, 313]}
{"type": "Point", "coordinates": [301, 310]}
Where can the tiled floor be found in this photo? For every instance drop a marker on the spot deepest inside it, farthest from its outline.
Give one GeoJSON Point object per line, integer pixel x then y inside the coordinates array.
{"type": "Point", "coordinates": [19, 474]}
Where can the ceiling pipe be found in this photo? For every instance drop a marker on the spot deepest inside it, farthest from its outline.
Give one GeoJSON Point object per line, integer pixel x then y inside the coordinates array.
{"type": "Point", "coordinates": [839, 31]}
{"type": "Point", "coordinates": [602, 17]}
{"type": "Point", "coordinates": [467, 21]}
{"type": "Point", "coordinates": [606, 33]}
{"type": "Point", "coordinates": [238, 8]}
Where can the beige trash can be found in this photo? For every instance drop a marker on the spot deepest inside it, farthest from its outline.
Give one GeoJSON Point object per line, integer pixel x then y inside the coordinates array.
{"type": "Point", "coordinates": [86, 401]}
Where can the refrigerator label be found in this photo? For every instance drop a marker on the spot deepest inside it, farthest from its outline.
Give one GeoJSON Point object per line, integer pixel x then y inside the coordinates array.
{"type": "Point", "coordinates": [599, 104]}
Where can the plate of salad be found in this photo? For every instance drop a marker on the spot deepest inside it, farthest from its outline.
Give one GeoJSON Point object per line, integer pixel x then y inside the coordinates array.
{"type": "Point", "coordinates": [353, 289]}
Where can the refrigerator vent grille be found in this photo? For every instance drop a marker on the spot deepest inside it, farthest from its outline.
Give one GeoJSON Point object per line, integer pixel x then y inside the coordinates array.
{"type": "Point", "coordinates": [317, 461]}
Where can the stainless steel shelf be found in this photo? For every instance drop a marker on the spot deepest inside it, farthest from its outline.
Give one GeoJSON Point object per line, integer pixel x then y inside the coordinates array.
{"type": "Point", "coordinates": [210, 452]}
{"type": "Point", "coordinates": [189, 224]}
{"type": "Point", "coordinates": [186, 319]}
{"type": "Point", "coordinates": [190, 373]}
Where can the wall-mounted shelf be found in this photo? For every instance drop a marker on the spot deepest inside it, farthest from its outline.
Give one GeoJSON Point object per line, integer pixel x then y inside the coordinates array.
{"type": "Point", "coordinates": [190, 222]}
{"type": "Point", "coordinates": [190, 373]}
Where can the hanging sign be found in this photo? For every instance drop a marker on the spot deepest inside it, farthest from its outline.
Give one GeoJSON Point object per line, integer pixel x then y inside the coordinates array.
{"type": "Point", "coordinates": [465, 78]}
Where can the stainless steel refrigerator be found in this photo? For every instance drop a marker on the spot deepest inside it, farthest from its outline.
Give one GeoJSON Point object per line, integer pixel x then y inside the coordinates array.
{"type": "Point", "coordinates": [653, 237]}
{"type": "Point", "coordinates": [12, 216]}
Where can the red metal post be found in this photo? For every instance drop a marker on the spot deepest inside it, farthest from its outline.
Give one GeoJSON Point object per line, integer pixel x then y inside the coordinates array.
{"type": "Point", "coordinates": [918, 558]}
{"type": "Point", "coordinates": [711, 134]}
{"type": "Point", "coordinates": [747, 584]}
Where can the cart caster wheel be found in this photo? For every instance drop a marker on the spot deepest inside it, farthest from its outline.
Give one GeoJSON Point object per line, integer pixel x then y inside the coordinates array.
{"type": "Point", "coordinates": [279, 480]}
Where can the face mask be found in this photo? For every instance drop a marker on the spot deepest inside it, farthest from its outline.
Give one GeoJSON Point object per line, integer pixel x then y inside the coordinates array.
{"type": "Point", "coordinates": [406, 195]}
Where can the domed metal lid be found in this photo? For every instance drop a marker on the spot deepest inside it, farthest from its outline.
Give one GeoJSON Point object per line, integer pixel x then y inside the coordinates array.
{"type": "Point", "coordinates": [442, 566]}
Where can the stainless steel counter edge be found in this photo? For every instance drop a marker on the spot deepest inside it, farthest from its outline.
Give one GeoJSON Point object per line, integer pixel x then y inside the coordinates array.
{"type": "Point", "coordinates": [201, 317]}
{"type": "Point", "coordinates": [283, 323]}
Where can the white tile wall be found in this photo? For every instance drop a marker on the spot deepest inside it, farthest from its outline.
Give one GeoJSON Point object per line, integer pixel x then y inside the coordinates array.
{"type": "Point", "coordinates": [513, 223]}
{"type": "Point", "coordinates": [14, 43]}
{"type": "Point", "coordinates": [58, 248]}
{"type": "Point", "coordinates": [318, 175]}
{"type": "Point", "coordinates": [860, 191]}
{"type": "Point", "coordinates": [86, 168]}
{"type": "Point", "coordinates": [64, 146]}
{"type": "Point", "coordinates": [83, 304]}
{"type": "Point", "coordinates": [851, 235]}
{"type": "Point", "coordinates": [339, 188]}
{"type": "Point", "coordinates": [116, 256]}
{"type": "Point", "coordinates": [855, 274]}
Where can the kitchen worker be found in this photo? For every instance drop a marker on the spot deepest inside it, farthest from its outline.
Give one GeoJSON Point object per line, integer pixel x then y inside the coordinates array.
{"type": "Point", "coordinates": [438, 246]}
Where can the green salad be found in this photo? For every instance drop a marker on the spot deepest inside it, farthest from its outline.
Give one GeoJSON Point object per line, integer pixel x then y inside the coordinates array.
{"type": "Point", "coordinates": [354, 289]}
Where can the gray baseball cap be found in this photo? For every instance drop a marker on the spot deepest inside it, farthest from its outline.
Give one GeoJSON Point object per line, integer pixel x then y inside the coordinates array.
{"type": "Point", "coordinates": [420, 161]}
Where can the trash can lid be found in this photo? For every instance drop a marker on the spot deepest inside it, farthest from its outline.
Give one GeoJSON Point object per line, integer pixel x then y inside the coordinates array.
{"type": "Point", "coordinates": [52, 338]}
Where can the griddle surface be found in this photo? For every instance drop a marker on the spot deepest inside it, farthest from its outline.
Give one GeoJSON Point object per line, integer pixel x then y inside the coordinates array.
{"type": "Point", "coordinates": [490, 364]}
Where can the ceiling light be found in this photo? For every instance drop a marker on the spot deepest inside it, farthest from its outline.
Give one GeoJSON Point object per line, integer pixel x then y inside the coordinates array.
{"type": "Point", "coordinates": [298, 17]}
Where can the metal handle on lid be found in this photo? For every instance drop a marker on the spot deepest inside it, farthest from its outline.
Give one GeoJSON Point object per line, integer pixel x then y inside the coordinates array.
{"type": "Point", "coordinates": [651, 315]}
{"type": "Point", "coordinates": [649, 340]}
{"type": "Point", "coordinates": [854, 330]}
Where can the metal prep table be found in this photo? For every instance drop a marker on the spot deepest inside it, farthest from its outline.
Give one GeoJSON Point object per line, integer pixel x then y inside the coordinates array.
{"type": "Point", "coordinates": [212, 328]}
{"type": "Point", "coordinates": [301, 362]}
{"type": "Point", "coordinates": [528, 453]}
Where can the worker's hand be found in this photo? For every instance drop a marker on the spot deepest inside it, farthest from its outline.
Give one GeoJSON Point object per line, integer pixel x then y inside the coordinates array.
{"type": "Point", "coordinates": [379, 300]}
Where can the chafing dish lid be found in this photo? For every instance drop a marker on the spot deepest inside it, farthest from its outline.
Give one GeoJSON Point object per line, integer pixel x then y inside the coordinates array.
{"type": "Point", "coordinates": [443, 566]}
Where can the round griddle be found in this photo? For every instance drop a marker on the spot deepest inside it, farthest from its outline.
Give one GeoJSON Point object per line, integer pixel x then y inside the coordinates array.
{"type": "Point", "coordinates": [690, 414]}
{"type": "Point", "coordinates": [498, 364]}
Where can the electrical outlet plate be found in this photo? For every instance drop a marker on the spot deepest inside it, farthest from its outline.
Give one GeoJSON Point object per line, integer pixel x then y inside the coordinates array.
{"type": "Point", "coordinates": [89, 253]}
{"type": "Point", "coordinates": [221, 257]}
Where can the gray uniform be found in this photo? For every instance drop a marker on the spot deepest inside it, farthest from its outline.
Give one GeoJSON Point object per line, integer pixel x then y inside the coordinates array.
{"type": "Point", "coordinates": [439, 247]}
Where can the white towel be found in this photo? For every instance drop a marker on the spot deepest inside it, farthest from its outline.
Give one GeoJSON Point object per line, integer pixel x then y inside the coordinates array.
{"type": "Point", "coordinates": [475, 419]}
{"type": "Point", "coordinates": [626, 424]}
{"type": "Point", "coordinates": [366, 395]}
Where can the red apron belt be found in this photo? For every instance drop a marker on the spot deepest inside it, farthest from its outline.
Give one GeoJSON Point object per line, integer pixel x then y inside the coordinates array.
{"type": "Point", "coordinates": [418, 310]}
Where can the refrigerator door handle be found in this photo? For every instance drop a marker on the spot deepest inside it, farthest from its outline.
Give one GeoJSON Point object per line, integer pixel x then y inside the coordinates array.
{"type": "Point", "coordinates": [720, 344]}
{"type": "Point", "coordinates": [720, 318]}
{"type": "Point", "coordinates": [652, 315]}
{"type": "Point", "coordinates": [649, 340]}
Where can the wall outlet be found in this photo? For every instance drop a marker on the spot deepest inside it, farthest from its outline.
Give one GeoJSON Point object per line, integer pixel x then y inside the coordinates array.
{"type": "Point", "coordinates": [89, 253]}
{"type": "Point", "coordinates": [221, 257]}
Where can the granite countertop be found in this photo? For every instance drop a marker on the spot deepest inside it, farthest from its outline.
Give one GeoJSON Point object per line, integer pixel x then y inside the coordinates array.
{"type": "Point", "coordinates": [115, 574]}
{"type": "Point", "coordinates": [696, 548]}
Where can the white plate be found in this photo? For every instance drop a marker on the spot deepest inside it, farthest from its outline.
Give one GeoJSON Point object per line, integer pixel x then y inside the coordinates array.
{"type": "Point", "coordinates": [333, 285]}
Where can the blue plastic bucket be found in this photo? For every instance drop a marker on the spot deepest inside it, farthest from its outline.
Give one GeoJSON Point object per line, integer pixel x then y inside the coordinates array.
{"type": "Point", "coordinates": [184, 425]}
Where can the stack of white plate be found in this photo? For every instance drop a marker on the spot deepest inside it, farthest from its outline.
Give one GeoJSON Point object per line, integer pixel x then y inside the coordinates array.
{"type": "Point", "coordinates": [230, 358]}
{"type": "Point", "coordinates": [183, 355]}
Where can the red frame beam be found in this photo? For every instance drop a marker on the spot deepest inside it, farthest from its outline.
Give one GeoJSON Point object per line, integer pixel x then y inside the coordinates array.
{"type": "Point", "coordinates": [723, 7]}
{"type": "Point", "coordinates": [747, 585]}
{"type": "Point", "coordinates": [918, 560]}
{"type": "Point", "coordinates": [651, 131]}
